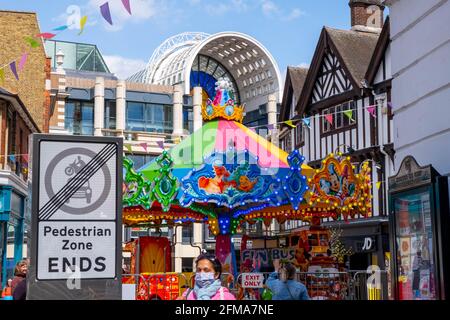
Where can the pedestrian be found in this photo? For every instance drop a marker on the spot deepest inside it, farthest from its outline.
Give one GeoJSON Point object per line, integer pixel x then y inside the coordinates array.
{"type": "Point", "coordinates": [20, 273]}
{"type": "Point", "coordinates": [283, 285]}
{"type": "Point", "coordinates": [6, 293]}
{"type": "Point", "coordinates": [20, 292]}
{"type": "Point", "coordinates": [207, 281]}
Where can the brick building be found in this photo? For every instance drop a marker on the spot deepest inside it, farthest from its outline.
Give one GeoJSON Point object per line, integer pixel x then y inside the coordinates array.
{"type": "Point", "coordinates": [24, 109]}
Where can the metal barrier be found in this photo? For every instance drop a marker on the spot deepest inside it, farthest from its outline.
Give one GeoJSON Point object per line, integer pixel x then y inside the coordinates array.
{"type": "Point", "coordinates": [156, 286]}
{"type": "Point", "coordinates": [321, 285]}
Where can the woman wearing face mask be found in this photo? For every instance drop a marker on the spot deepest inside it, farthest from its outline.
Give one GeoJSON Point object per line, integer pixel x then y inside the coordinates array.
{"type": "Point", "coordinates": [207, 281]}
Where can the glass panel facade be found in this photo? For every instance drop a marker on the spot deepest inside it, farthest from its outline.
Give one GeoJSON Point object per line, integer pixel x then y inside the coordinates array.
{"type": "Point", "coordinates": [139, 160]}
{"type": "Point", "coordinates": [149, 117]}
{"type": "Point", "coordinates": [110, 114]}
{"type": "Point", "coordinates": [79, 117]}
{"type": "Point", "coordinates": [77, 56]}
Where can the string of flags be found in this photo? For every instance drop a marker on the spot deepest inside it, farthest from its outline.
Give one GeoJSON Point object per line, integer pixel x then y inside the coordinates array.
{"type": "Point", "coordinates": [106, 12]}
{"type": "Point", "coordinates": [328, 117]}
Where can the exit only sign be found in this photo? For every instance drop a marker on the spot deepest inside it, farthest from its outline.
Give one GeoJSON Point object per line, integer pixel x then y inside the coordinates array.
{"type": "Point", "coordinates": [252, 280]}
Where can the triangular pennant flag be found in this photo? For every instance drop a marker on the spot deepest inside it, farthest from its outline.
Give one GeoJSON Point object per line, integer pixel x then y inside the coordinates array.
{"type": "Point", "coordinates": [106, 14]}
{"type": "Point", "coordinates": [22, 61]}
{"type": "Point", "coordinates": [46, 35]}
{"type": "Point", "coordinates": [290, 123]}
{"type": "Point", "coordinates": [271, 127]}
{"type": "Point", "coordinates": [160, 144]}
{"type": "Point", "coordinates": [378, 185]}
{"type": "Point", "coordinates": [371, 110]}
{"type": "Point", "coordinates": [329, 118]}
{"type": "Point", "coordinates": [83, 21]}
{"type": "Point", "coordinates": [2, 76]}
{"type": "Point", "coordinates": [62, 28]}
{"type": "Point", "coordinates": [12, 158]}
{"type": "Point", "coordinates": [25, 158]}
{"type": "Point", "coordinates": [32, 42]}
{"type": "Point", "coordinates": [126, 4]}
{"type": "Point", "coordinates": [307, 122]}
{"type": "Point", "coordinates": [12, 65]}
{"type": "Point", "coordinates": [349, 114]}
{"type": "Point", "coordinates": [129, 148]}
{"type": "Point", "coordinates": [144, 145]}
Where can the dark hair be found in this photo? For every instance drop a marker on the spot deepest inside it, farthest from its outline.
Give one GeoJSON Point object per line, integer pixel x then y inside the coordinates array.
{"type": "Point", "coordinates": [217, 266]}
{"type": "Point", "coordinates": [290, 271]}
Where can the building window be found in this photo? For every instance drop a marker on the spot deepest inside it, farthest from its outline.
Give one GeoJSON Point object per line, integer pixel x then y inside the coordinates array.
{"type": "Point", "coordinates": [149, 117]}
{"type": "Point", "coordinates": [139, 160]}
{"type": "Point", "coordinates": [79, 117]}
{"type": "Point", "coordinates": [340, 119]}
{"type": "Point", "coordinates": [110, 114]}
{"type": "Point", "coordinates": [299, 137]}
{"type": "Point", "coordinates": [187, 264]}
{"type": "Point", "coordinates": [188, 119]}
{"type": "Point", "coordinates": [187, 234]}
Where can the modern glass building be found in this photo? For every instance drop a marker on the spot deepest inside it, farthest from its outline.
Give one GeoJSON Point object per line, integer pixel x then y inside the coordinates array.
{"type": "Point", "coordinates": [78, 56]}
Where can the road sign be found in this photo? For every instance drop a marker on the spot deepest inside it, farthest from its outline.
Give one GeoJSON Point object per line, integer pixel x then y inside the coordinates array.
{"type": "Point", "coordinates": [76, 201]}
{"type": "Point", "coordinates": [252, 280]}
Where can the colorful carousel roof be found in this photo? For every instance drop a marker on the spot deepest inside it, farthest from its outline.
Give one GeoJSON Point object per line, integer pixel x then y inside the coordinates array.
{"type": "Point", "coordinates": [226, 174]}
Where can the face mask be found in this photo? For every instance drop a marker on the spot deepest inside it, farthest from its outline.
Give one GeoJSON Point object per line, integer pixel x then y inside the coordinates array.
{"type": "Point", "coordinates": [204, 279]}
{"type": "Point", "coordinates": [283, 275]}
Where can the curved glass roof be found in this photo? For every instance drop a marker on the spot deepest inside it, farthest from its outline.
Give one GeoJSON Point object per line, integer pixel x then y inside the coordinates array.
{"type": "Point", "coordinates": [243, 60]}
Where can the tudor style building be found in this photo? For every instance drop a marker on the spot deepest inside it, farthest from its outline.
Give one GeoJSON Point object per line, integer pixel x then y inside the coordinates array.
{"type": "Point", "coordinates": [350, 70]}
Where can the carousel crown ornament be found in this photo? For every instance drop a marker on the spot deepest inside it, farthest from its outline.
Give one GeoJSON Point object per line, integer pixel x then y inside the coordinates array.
{"type": "Point", "coordinates": [223, 106]}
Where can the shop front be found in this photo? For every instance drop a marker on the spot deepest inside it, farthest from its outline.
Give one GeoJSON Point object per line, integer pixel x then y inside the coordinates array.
{"type": "Point", "coordinates": [14, 230]}
{"type": "Point", "coordinates": [419, 222]}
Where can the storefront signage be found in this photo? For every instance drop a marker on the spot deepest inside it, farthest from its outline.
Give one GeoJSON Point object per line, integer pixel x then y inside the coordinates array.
{"type": "Point", "coordinates": [252, 280]}
{"type": "Point", "coordinates": [76, 212]}
{"type": "Point", "coordinates": [266, 256]}
{"type": "Point", "coordinates": [410, 175]}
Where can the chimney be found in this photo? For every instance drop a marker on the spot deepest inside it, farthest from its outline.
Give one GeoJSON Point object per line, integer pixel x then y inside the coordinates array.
{"type": "Point", "coordinates": [367, 15]}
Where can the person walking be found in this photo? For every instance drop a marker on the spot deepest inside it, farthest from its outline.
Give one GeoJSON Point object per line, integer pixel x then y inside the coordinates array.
{"type": "Point", "coordinates": [207, 281]}
{"type": "Point", "coordinates": [283, 285]}
{"type": "Point", "coordinates": [20, 274]}
{"type": "Point", "coordinates": [6, 293]}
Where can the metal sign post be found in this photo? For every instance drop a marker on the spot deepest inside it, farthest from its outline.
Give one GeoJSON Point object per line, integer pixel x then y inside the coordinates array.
{"type": "Point", "coordinates": [76, 218]}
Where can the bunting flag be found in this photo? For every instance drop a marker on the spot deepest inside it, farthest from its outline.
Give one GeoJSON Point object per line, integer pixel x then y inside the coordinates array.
{"type": "Point", "coordinates": [129, 148]}
{"type": "Point", "coordinates": [83, 21]}
{"type": "Point", "coordinates": [126, 4]}
{"type": "Point", "coordinates": [349, 114]}
{"type": "Point", "coordinates": [144, 145]}
{"type": "Point", "coordinates": [106, 13]}
{"type": "Point", "coordinates": [12, 65]}
{"type": "Point", "coordinates": [12, 158]}
{"type": "Point", "coordinates": [32, 42]}
{"type": "Point", "coordinates": [160, 144]}
{"type": "Point", "coordinates": [271, 127]}
{"type": "Point", "coordinates": [290, 123]}
{"type": "Point", "coordinates": [329, 118]}
{"type": "Point", "coordinates": [22, 61]}
{"type": "Point", "coordinates": [378, 185]}
{"type": "Point", "coordinates": [46, 35]}
{"type": "Point", "coordinates": [389, 104]}
{"type": "Point", "coordinates": [371, 110]}
{"type": "Point", "coordinates": [25, 158]}
{"type": "Point", "coordinates": [307, 122]}
{"type": "Point", "coordinates": [2, 76]}
{"type": "Point", "coordinates": [62, 28]}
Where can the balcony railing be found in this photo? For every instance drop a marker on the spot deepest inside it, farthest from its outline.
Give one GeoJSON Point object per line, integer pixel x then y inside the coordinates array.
{"type": "Point", "coordinates": [152, 139]}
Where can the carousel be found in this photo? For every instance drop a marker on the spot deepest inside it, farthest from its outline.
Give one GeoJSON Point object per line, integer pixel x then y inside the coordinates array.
{"type": "Point", "coordinates": [226, 175]}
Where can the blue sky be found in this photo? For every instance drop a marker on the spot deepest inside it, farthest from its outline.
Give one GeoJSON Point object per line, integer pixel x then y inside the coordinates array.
{"type": "Point", "coordinates": [289, 29]}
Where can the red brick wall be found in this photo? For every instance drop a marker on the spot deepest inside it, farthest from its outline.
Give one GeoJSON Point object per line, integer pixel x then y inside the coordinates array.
{"type": "Point", "coordinates": [46, 122]}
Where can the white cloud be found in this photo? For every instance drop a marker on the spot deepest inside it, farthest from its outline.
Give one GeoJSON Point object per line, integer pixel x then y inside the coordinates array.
{"type": "Point", "coordinates": [269, 8]}
{"type": "Point", "coordinates": [140, 10]}
{"type": "Point", "coordinates": [124, 67]}
{"type": "Point", "coordinates": [295, 13]}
